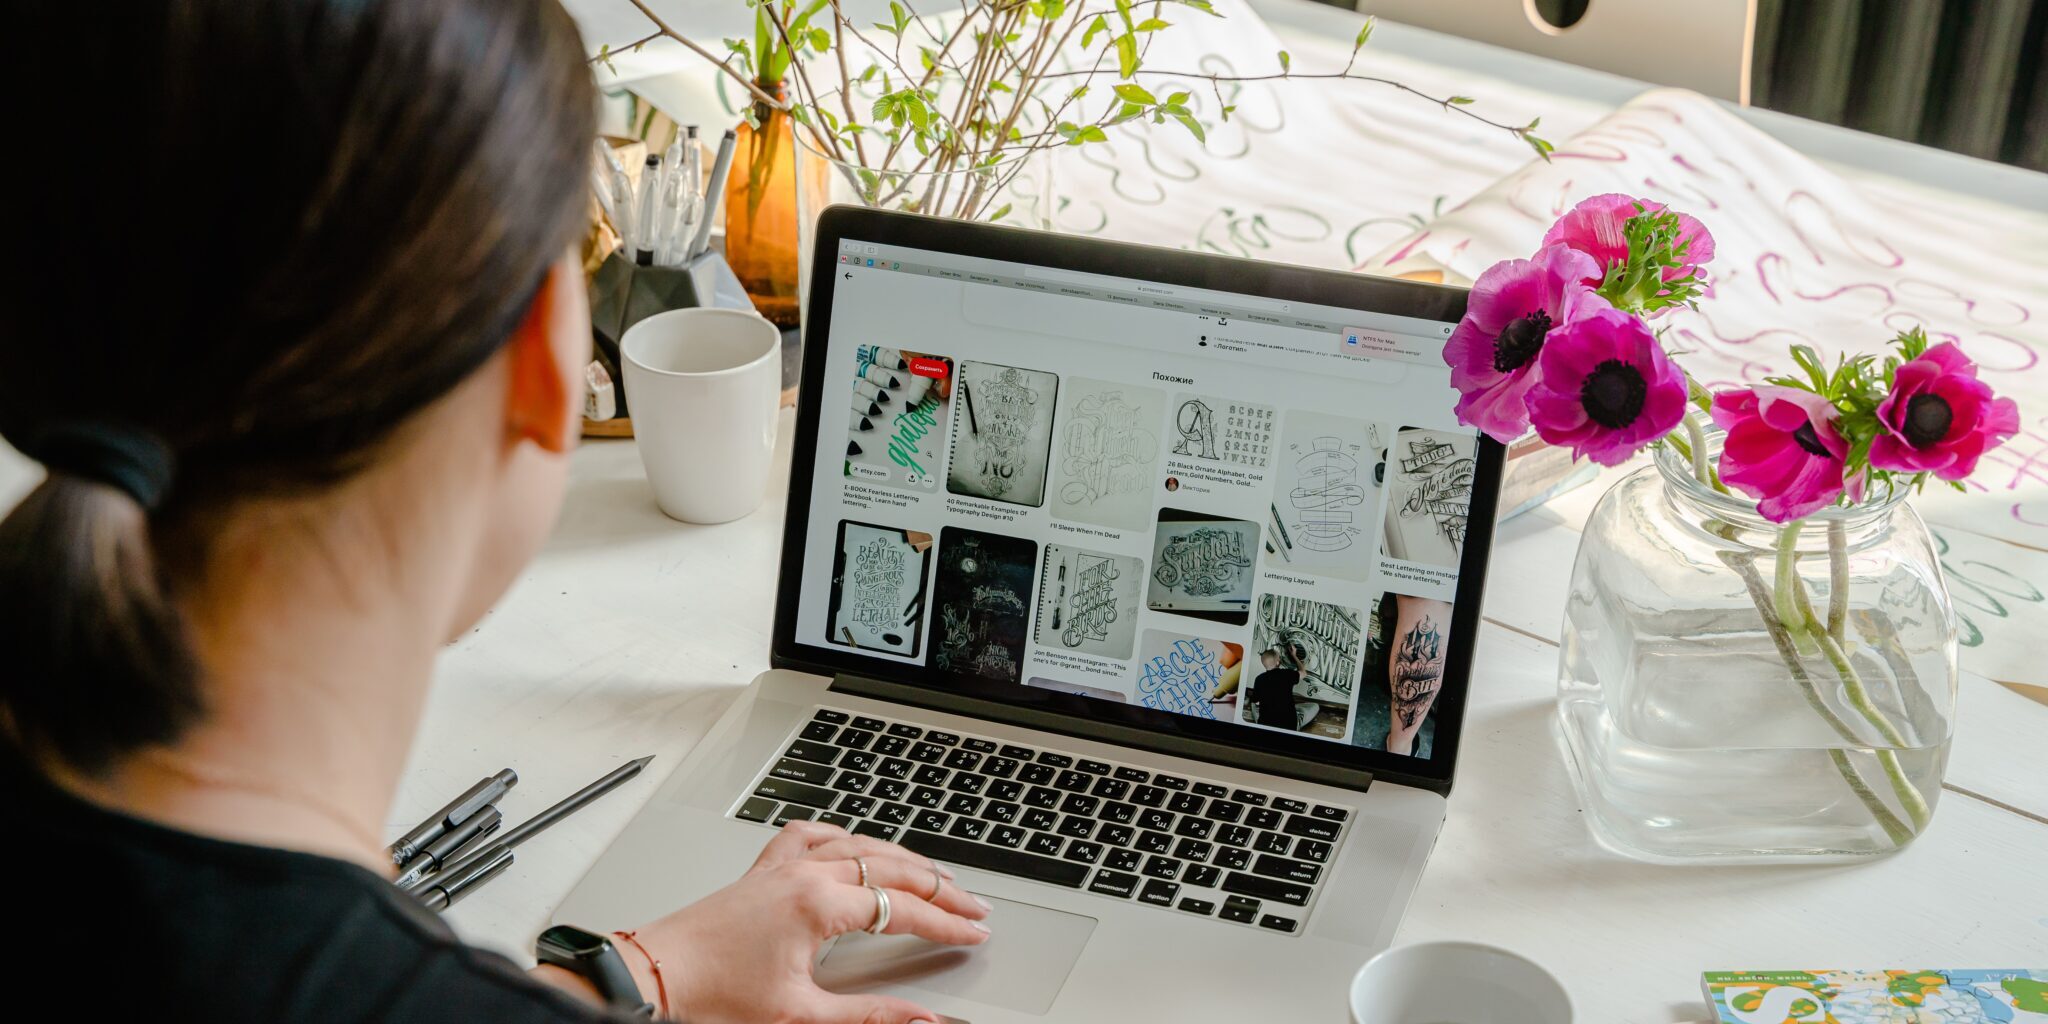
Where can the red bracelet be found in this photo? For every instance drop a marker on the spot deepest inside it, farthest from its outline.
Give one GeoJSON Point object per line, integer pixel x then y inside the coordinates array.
{"type": "Point", "coordinates": [660, 986]}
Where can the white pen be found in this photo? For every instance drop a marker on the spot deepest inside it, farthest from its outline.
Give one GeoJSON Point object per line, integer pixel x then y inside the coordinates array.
{"type": "Point", "coordinates": [719, 168]}
{"type": "Point", "coordinates": [622, 201]}
{"type": "Point", "coordinates": [692, 182]}
{"type": "Point", "coordinates": [647, 206]}
{"type": "Point", "coordinates": [671, 181]}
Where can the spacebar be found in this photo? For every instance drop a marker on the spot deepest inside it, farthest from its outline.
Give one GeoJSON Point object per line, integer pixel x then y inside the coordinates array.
{"type": "Point", "coordinates": [995, 858]}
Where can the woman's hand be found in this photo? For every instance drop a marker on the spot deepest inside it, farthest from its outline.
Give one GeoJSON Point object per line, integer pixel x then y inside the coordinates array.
{"type": "Point", "coordinates": [745, 952]}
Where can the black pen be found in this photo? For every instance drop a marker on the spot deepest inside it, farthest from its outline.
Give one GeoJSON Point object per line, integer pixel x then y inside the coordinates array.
{"type": "Point", "coordinates": [533, 826]}
{"type": "Point", "coordinates": [449, 845]}
{"type": "Point", "coordinates": [456, 883]}
{"type": "Point", "coordinates": [474, 799]}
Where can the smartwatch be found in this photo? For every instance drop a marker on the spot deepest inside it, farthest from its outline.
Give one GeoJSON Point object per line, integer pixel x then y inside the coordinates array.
{"type": "Point", "coordinates": [593, 958]}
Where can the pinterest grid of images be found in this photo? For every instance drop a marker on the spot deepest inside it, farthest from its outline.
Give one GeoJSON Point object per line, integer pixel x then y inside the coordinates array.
{"type": "Point", "coordinates": [1284, 570]}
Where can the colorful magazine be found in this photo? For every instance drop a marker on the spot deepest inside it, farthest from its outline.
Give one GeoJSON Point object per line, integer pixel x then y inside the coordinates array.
{"type": "Point", "coordinates": [1927, 996]}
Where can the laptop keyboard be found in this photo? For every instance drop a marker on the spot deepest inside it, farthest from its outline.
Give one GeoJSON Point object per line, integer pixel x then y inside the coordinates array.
{"type": "Point", "coordinates": [1118, 831]}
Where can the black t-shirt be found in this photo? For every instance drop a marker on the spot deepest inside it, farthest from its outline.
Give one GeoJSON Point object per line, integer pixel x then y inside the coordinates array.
{"type": "Point", "coordinates": [174, 926]}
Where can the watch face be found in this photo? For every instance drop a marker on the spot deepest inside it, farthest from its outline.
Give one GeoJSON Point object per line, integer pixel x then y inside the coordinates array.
{"type": "Point", "coordinates": [571, 941]}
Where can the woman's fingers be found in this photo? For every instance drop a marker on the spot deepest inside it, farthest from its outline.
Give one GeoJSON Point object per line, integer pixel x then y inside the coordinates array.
{"type": "Point", "coordinates": [854, 909]}
{"type": "Point", "coordinates": [796, 839]}
{"type": "Point", "coordinates": [893, 867]}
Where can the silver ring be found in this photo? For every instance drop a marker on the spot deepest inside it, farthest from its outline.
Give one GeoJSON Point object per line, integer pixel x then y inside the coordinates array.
{"type": "Point", "coordinates": [881, 910]}
{"type": "Point", "coordinates": [863, 865]}
{"type": "Point", "coordinates": [938, 882]}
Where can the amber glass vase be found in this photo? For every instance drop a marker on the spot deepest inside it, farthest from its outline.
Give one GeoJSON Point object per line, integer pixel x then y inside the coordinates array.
{"type": "Point", "coordinates": [761, 211]}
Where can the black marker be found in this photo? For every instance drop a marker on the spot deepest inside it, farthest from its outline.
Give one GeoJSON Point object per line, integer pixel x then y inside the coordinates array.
{"type": "Point", "coordinates": [449, 845]}
{"type": "Point", "coordinates": [533, 826]}
{"type": "Point", "coordinates": [474, 799]}
{"type": "Point", "coordinates": [460, 881]}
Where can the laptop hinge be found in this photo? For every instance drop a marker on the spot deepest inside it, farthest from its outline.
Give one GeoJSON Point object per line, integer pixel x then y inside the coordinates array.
{"type": "Point", "coordinates": [1108, 732]}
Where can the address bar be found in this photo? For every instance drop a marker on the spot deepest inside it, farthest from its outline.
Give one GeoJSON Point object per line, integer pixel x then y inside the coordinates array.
{"type": "Point", "coordinates": [1167, 291]}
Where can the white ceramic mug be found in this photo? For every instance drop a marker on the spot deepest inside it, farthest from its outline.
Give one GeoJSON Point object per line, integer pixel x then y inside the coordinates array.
{"type": "Point", "coordinates": [1456, 983]}
{"type": "Point", "coordinates": [703, 387]}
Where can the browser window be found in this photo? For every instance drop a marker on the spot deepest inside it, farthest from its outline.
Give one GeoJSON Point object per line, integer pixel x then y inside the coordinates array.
{"type": "Point", "coordinates": [1209, 504]}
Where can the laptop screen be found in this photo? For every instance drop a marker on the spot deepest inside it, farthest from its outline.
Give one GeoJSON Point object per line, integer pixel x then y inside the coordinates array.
{"type": "Point", "coordinates": [1227, 514]}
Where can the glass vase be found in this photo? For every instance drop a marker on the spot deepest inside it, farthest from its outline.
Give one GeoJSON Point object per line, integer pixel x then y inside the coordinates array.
{"type": "Point", "coordinates": [1734, 690]}
{"type": "Point", "coordinates": [761, 213]}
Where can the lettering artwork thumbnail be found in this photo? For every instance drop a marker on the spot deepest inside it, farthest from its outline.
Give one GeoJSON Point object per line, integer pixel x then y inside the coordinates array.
{"type": "Point", "coordinates": [981, 604]}
{"type": "Point", "coordinates": [1107, 462]}
{"type": "Point", "coordinates": [897, 434]}
{"type": "Point", "coordinates": [878, 588]}
{"type": "Point", "coordinates": [1202, 565]}
{"type": "Point", "coordinates": [1187, 675]}
{"type": "Point", "coordinates": [1088, 601]}
{"type": "Point", "coordinates": [1002, 433]}
{"type": "Point", "coordinates": [1325, 502]}
{"type": "Point", "coordinates": [1429, 494]}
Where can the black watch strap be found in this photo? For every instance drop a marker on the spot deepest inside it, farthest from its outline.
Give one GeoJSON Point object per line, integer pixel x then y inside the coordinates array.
{"type": "Point", "coordinates": [595, 959]}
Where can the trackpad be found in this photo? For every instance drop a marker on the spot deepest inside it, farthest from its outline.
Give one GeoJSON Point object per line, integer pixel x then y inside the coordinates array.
{"type": "Point", "coordinates": [1021, 967]}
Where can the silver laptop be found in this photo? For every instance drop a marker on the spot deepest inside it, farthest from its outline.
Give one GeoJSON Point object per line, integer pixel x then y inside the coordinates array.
{"type": "Point", "coordinates": [1137, 585]}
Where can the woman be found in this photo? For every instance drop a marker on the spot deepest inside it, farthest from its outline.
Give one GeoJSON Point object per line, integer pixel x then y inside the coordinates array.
{"type": "Point", "coordinates": [298, 351]}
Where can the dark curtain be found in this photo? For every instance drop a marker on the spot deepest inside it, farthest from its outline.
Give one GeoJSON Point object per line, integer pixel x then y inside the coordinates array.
{"type": "Point", "coordinates": [1964, 75]}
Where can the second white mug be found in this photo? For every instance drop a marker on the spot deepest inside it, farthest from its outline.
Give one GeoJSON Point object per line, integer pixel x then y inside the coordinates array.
{"type": "Point", "coordinates": [703, 387]}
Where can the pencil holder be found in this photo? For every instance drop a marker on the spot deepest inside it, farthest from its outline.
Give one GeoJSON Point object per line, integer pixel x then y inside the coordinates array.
{"type": "Point", "coordinates": [623, 293]}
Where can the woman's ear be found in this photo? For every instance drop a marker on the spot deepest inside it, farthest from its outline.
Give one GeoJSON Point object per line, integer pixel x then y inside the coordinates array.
{"type": "Point", "coordinates": [546, 353]}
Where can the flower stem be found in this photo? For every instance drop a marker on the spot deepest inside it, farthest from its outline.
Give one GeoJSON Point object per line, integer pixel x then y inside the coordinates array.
{"type": "Point", "coordinates": [1838, 581]}
{"type": "Point", "coordinates": [1859, 698]}
{"type": "Point", "coordinates": [1696, 446]}
{"type": "Point", "coordinates": [1787, 580]}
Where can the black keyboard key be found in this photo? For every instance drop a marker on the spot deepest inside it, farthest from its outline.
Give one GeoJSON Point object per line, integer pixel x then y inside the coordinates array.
{"type": "Point", "coordinates": [805, 750]}
{"type": "Point", "coordinates": [756, 808]}
{"type": "Point", "coordinates": [1328, 813]}
{"type": "Point", "coordinates": [802, 771]}
{"type": "Point", "coordinates": [1038, 819]}
{"type": "Point", "coordinates": [1310, 850]}
{"type": "Point", "coordinates": [796, 792]}
{"type": "Point", "coordinates": [858, 761]}
{"type": "Point", "coordinates": [818, 732]}
{"type": "Point", "coordinates": [1271, 842]}
{"type": "Point", "coordinates": [929, 775]}
{"type": "Point", "coordinates": [835, 818]}
{"type": "Point", "coordinates": [1195, 906]}
{"type": "Point", "coordinates": [963, 760]}
{"type": "Point", "coordinates": [979, 746]}
{"type": "Point", "coordinates": [854, 739]}
{"type": "Point", "coordinates": [963, 803]}
{"type": "Point", "coordinates": [1202, 875]}
{"type": "Point", "coordinates": [944, 739]}
{"type": "Point", "coordinates": [1234, 835]}
{"type": "Point", "coordinates": [889, 789]}
{"type": "Point", "coordinates": [852, 782]}
{"type": "Point", "coordinates": [877, 829]}
{"type": "Point", "coordinates": [1078, 803]}
{"type": "Point", "coordinates": [1154, 842]}
{"type": "Point", "coordinates": [1044, 845]}
{"type": "Point", "coordinates": [1017, 753]}
{"type": "Point", "coordinates": [1313, 828]}
{"type": "Point", "coordinates": [1000, 812]}
{"type": "Point", "coordinates": [1158, 820]}
{"type": "Point", "coordinates": [1162, 867]}
{"type": "Point", "coordinates": [829, 715]}
{"type": "Point", "coordinates": [1111, 789]}
{"type": "Point", "coordinates": [1133, 774]}
{"type": "Point", "coordinates": [1073, 781]}
{"type": "Point", "coordinates": [930, 821]}
{"type": "Point", "coordinates": [1210, 789]}
{"type": "Point", "coordinates": [1235, 860]}
{"type": "Point", "coordinates": [1246, 796]}
{"type": "Point", "coordinates": [927, 753]}
{"type": "Point", "coordinates": [1225, 811]}
{"type": "Point", "coordinates": [1092, 767]}
{"type": "Point", "coordinates": [791, 812]}
{"type": "Point", "coordinates": [1116, 812]}
{"type": "Point", "coordinates": [948, 850]}
{"type": "Point", "coordinates": [1289, 870]}
{"type": "Point", "coordinates": [856, 805]}
{"type": "Point", "coordinates": [1185, 803]}
{"type": "Point", "coordinates": [999, 767]}
{"type": "Point", "coordinates": [1194, 828]}
{"type": "Point", "coordinates": [968, 828]}
{"type": "Point", "coordinates": [1055, 760]}
{"type": "Point", "coordinates": [893, 768]}
{"type": "Point", "coordinates": [965, 783]}
{"type": "Point", "coordinates": [1037, 774]}
{"type": "Point", "coordinates": [890, 746]}
{"type": "Point", "coordinates": [1281, 803]}
{"type": "Point", "coordinates": [1114, 883]}
{"type": "Point", "coordinates": [1007, 836]}
{"type": "Point", "coordinates": [1005, 789]}
{"type": "Point", "coordinates": [1159, 892]}
{"type": "Point", "coordinates": [870, 724]}
{"type": "Point", "coordinates": [1192, 849]}
{"type": "Point", "coordinates": [893, 814]}
{"type": "Point", "coordinates": [1173, 782]}
{"type": "Point", "coordinates": [908, 732]}
{"type": "Point", "coordinates": [1263, 817]}
{"type": "Point", "coordinates": [1265, 888]}
{"type": "Point", "coordinates": [1115, 835]}
{"type": "Point", "coordinates": [1242, 915]}
{"type": "Point", "coordinates": [1277, 923]}
{"type": "Point", "coordinates": [1124, 860]}
{"type": "Point", "coordinates": [1075, 826]}
{"type": "Point", "coordinates": [1042, 796]}
{"type": "Point", "coordinates": [1148, 796]}
{"type": "Point", "coordinates": [1083, 853]}
{"type": "Point", "coordinates": [926, 796]}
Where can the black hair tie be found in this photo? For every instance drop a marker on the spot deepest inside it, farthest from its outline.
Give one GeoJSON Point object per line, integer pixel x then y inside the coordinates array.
{"type": "Point", "coordinates": [126, 457]}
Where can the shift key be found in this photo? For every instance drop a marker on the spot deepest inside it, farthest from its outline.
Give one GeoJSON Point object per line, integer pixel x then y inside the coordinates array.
{"type": "Point", "coordinates": [1265, 888]}
{"type": "Point", "coordinates": [796, 792]}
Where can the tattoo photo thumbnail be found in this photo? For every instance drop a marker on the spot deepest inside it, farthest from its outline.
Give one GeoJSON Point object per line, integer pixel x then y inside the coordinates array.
{"type": "Point", "coordinates": [1202, 566]}
{"type": "Point", "coordinates": [1314, 649]}
{"type": "Point", "coordinates": [1403, 675]}
{"type": "Point", "coordinates": [1002, 433]}
{"type": "Point", "coordinates": [897, 436]}
{"type": "Point", "coordinates": [1429, 494]}
{"type": "Point", "coordinates": [981, 604]}
{"type": "Point", "coordinates": [878, 588]}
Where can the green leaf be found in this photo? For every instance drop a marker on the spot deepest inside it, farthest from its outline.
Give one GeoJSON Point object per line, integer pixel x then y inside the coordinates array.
{"type": "Point", "coordinates": [1364, 33]}
{"type": "Point", "coordinates": [1126, 55]}
{"type": "Point", "coordinates": [1459, 100]}
{"type": "Point", "coordinates": [1151, 25]}
{"type": "Point", "coordinates": [1078, 93]}
{"type": "Point", "coordinates": [1123, 11]}
{"type": "Point", "coordinates": [1134, 93]}
{"type": "Point", "coordinates": [1177, 99]}
{"type": "Point", "coordinates": [1193, 126]}
{"type": "Point", "coordinates": [902, 16]}
{"type": "Point", "coordinates": [1286, 61]}
{"type": "Point", "coordinates": [1229, 110]}
{"type": "Point", "coordinates": [1001, 212]}
{"type": "Point", "coordinates": [821, 40]}
{"type": "Point", "coordinates": [1092, 133]}
{"type": "Point", "coordinates": [1000, 86]}
{"type": "Point", "coordinates": [1100, 24]}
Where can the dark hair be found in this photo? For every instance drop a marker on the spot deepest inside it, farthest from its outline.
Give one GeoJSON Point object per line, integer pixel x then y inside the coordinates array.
{"type": "Point", "coordinates": [315, 218]}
